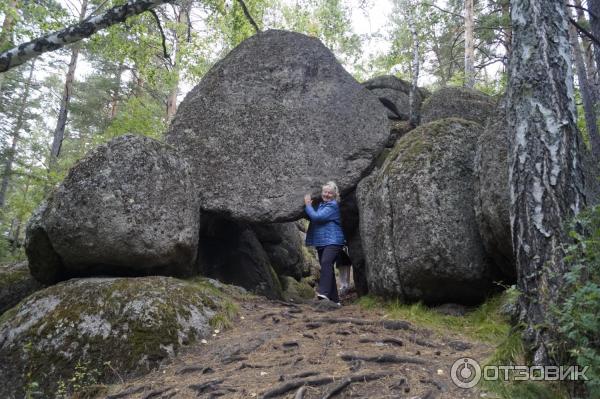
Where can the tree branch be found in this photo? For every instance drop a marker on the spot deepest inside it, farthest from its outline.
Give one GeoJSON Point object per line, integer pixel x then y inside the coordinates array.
{"type": "Point", "coordinates": [582, 9]}
{"type": "Point", "coordinates": [248, 16]}
{"type": "Point", "coordinates": [53, 41]}
{"type": "Point", "coordinates": [162, 35]}
{"type": "Point", "coordinates": [443, 10]}
{"type": "Point", "coordinates": [584, 31]}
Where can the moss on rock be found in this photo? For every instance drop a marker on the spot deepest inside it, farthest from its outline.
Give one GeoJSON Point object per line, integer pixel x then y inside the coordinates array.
{"type": "Point", "coordinates": [296, 291]}
{"type": "Point", "coordinates": [131, 323]}
{"type": "Point", "coordinates": [458, 102]}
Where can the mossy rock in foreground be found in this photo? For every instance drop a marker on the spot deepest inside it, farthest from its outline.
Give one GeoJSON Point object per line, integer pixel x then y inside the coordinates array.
{"type": "Point", "coordinates": [86, 329]}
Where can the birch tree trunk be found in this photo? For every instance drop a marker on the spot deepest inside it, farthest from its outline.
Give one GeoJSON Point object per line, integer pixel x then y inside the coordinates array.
{"type": "Point", "coordinates": [545, 172]}
{"type": "Point", "coordinates": [586, 94]}
{"type": "Point", "coordinates": [182, 18]}
{"type": "Point", "coordinates": [10, 156]}
{"type": "Point", "coordinates": [469, 46]}
{"type": "Point", "coordinates": [63, 113]}
{"type": "Point", "coordinates": [412, 96]}
{"type": "Point", "coordinates": [7, 28]}
{"type": "Point", "coordinates": [7, 24]}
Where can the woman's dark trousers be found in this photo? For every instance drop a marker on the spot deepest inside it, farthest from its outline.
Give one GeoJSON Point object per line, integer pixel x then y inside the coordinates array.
{"type": "Point", "coordinates": [327, 285]}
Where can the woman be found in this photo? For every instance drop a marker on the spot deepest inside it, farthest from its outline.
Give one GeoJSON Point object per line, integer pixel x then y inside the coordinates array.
{"type": "Point", "coordinates": [325, 233]}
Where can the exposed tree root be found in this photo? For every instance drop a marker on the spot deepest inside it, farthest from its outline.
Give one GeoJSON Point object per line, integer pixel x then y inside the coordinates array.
{"type": "Point", "coordinates": [337, 389]}
{"type": "Point", "coordinates": [305, 374]}
{"type": "Point", "coordinates": [127, 392]}
{"type": "Point", "coordinates": [385, 358]}
{"type": "Point", "coordinates": [300, 393]}
{"type": "Point", "coordinates": [155, 393]}
{"type": "Point", "coordinates": [317, 381]}
{"type": "Point", "coordinates": [387, 324]}
{"type": "Point", "coordinates": [391, 341]}
{"type": "Point", "coordinates": [289, 386]}
{"type": "Point", "coordinates": [193, 369]}
{"type": "Point", "coordinates": [205, 386]}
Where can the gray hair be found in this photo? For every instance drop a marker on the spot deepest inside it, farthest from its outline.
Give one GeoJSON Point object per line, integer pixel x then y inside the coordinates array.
{"type": "Point", "coordinates": [333, 187]}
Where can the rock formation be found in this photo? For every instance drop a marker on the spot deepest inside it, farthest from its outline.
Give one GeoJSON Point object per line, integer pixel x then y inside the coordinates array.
{"type": "Point", "coordinates": [128, 208]}
{"type": "Point", "coordinates": [458, 102]}
{"type": "Point", "coordinates": [274, 119]}
{"type": "Point", "coordinates": [418, 227]}
{"type": "Point", "coordinates": [133, 323]}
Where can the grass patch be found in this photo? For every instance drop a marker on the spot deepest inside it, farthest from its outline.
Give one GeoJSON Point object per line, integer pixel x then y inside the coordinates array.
{"type": "Point", "coordinates": [485, 323]}
{"type": "Point", "coordinates": [512, 352]}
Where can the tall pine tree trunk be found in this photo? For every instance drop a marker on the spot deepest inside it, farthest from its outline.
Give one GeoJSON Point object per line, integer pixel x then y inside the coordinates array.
{"type": "Point", "coordinates": [594, 12]}
{"type": "Point", "coordinates": [545, 172]}
{"type": "Point", "coordinates": [586, 94]}
{"type": "Point", "coordinates": [469, 46]}
{"type": "Point", "coordinates": [588, 56]}
{"type": "Point", "coordinates": [15, 135]}
{"type": "Point", "coordinates": [61, 123]}
{"type": "Point", "coordinates": [116, 93]}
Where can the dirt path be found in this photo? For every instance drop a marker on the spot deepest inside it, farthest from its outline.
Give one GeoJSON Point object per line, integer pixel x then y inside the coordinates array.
{"type": "Point", "coordinates": [274, 349]}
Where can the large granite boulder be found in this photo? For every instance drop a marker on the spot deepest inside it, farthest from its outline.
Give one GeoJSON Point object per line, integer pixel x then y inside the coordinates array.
{"type": "Point", "coordinates": [418, 227]}
{"type": "Point", "coordinates": [230, 251]}
{"type": "Point", "coordinates": [133, 324]}
{"type": "Point", "coordinates": [16, 283]}
{"type": "Point", "coordinates": [128, 208]}
{"type": "Point", "coordinates": [492, 194]}
{"type": "Point", "coordinates": [394, 94]}
{"type": "Point", "coordinates": [273, 120]}
{"type": "Point", "coordinates": [458, 102]}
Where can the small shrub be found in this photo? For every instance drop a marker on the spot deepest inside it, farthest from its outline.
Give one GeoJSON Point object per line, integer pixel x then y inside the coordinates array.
{"type": "Point", "coordinates": [578, 313]}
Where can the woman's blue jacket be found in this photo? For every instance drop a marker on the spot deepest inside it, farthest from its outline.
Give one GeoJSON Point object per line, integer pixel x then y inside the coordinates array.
{"type": "Point", "coordinates": [325, 225]}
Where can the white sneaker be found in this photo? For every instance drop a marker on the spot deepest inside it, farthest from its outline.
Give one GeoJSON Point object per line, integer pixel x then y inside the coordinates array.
{"type": "Point", "coordinates": [321, 296]}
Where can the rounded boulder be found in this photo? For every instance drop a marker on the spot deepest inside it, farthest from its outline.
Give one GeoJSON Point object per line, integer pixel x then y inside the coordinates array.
{"type": "Point", "coordinates": [126, 209]}
{"type": "Point", "coordinates": [273, 120]}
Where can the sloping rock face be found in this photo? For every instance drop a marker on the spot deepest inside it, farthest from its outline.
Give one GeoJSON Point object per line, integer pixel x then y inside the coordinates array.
{"type": "Point", "coordinates": [229, 251]}
{"type": "Point", "coordinates": [492, 194]}
{"type": "Point", "coordinates": [16, 283]}
{"type": "Point", "coordinates": [276, 118]}
{"type": "Point", "coordinates": [394, 95]}
{"type": "Point", "coordinates": [417, 223]}
{"type": "Point", "coordinates": [133, 323]}
{"type": "Point", "coordinates": [458, 102]}
{"type": "Point", "coordinates": [283, 243]}
{"type": "Point", "coordinates": [128, 208]}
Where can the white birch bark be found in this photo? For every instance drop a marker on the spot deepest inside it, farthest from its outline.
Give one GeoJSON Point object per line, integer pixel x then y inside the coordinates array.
{"type": "Point", "coordinates": [545, 172]}
{"type": "Point", "coordinates": [24, 52]}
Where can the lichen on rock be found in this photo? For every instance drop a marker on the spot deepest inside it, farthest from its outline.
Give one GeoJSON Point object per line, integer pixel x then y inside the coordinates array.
{"type": "Point", "coordinates": [133, 323]}
{"type": "Point", "coordinates": [418, 228]}
{"type": "Point", "coordinates": [128, 208]}
{"type": "Point", "coordinates": [458, 102]}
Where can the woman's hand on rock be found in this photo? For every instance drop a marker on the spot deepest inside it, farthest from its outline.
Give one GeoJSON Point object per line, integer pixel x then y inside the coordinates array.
{"type": "Point", "coordinates": [307, 200]}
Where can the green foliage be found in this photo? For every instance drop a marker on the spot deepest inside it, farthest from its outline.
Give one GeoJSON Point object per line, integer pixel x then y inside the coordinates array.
{"type": "Point", "coordinates": [485, 323]}
{"type": "Point", "coordinates": [511, 352]}
{"type": "Point", "coordinates": [578, 314]}
{"type": "Point", "coordinates": [328, 20]}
